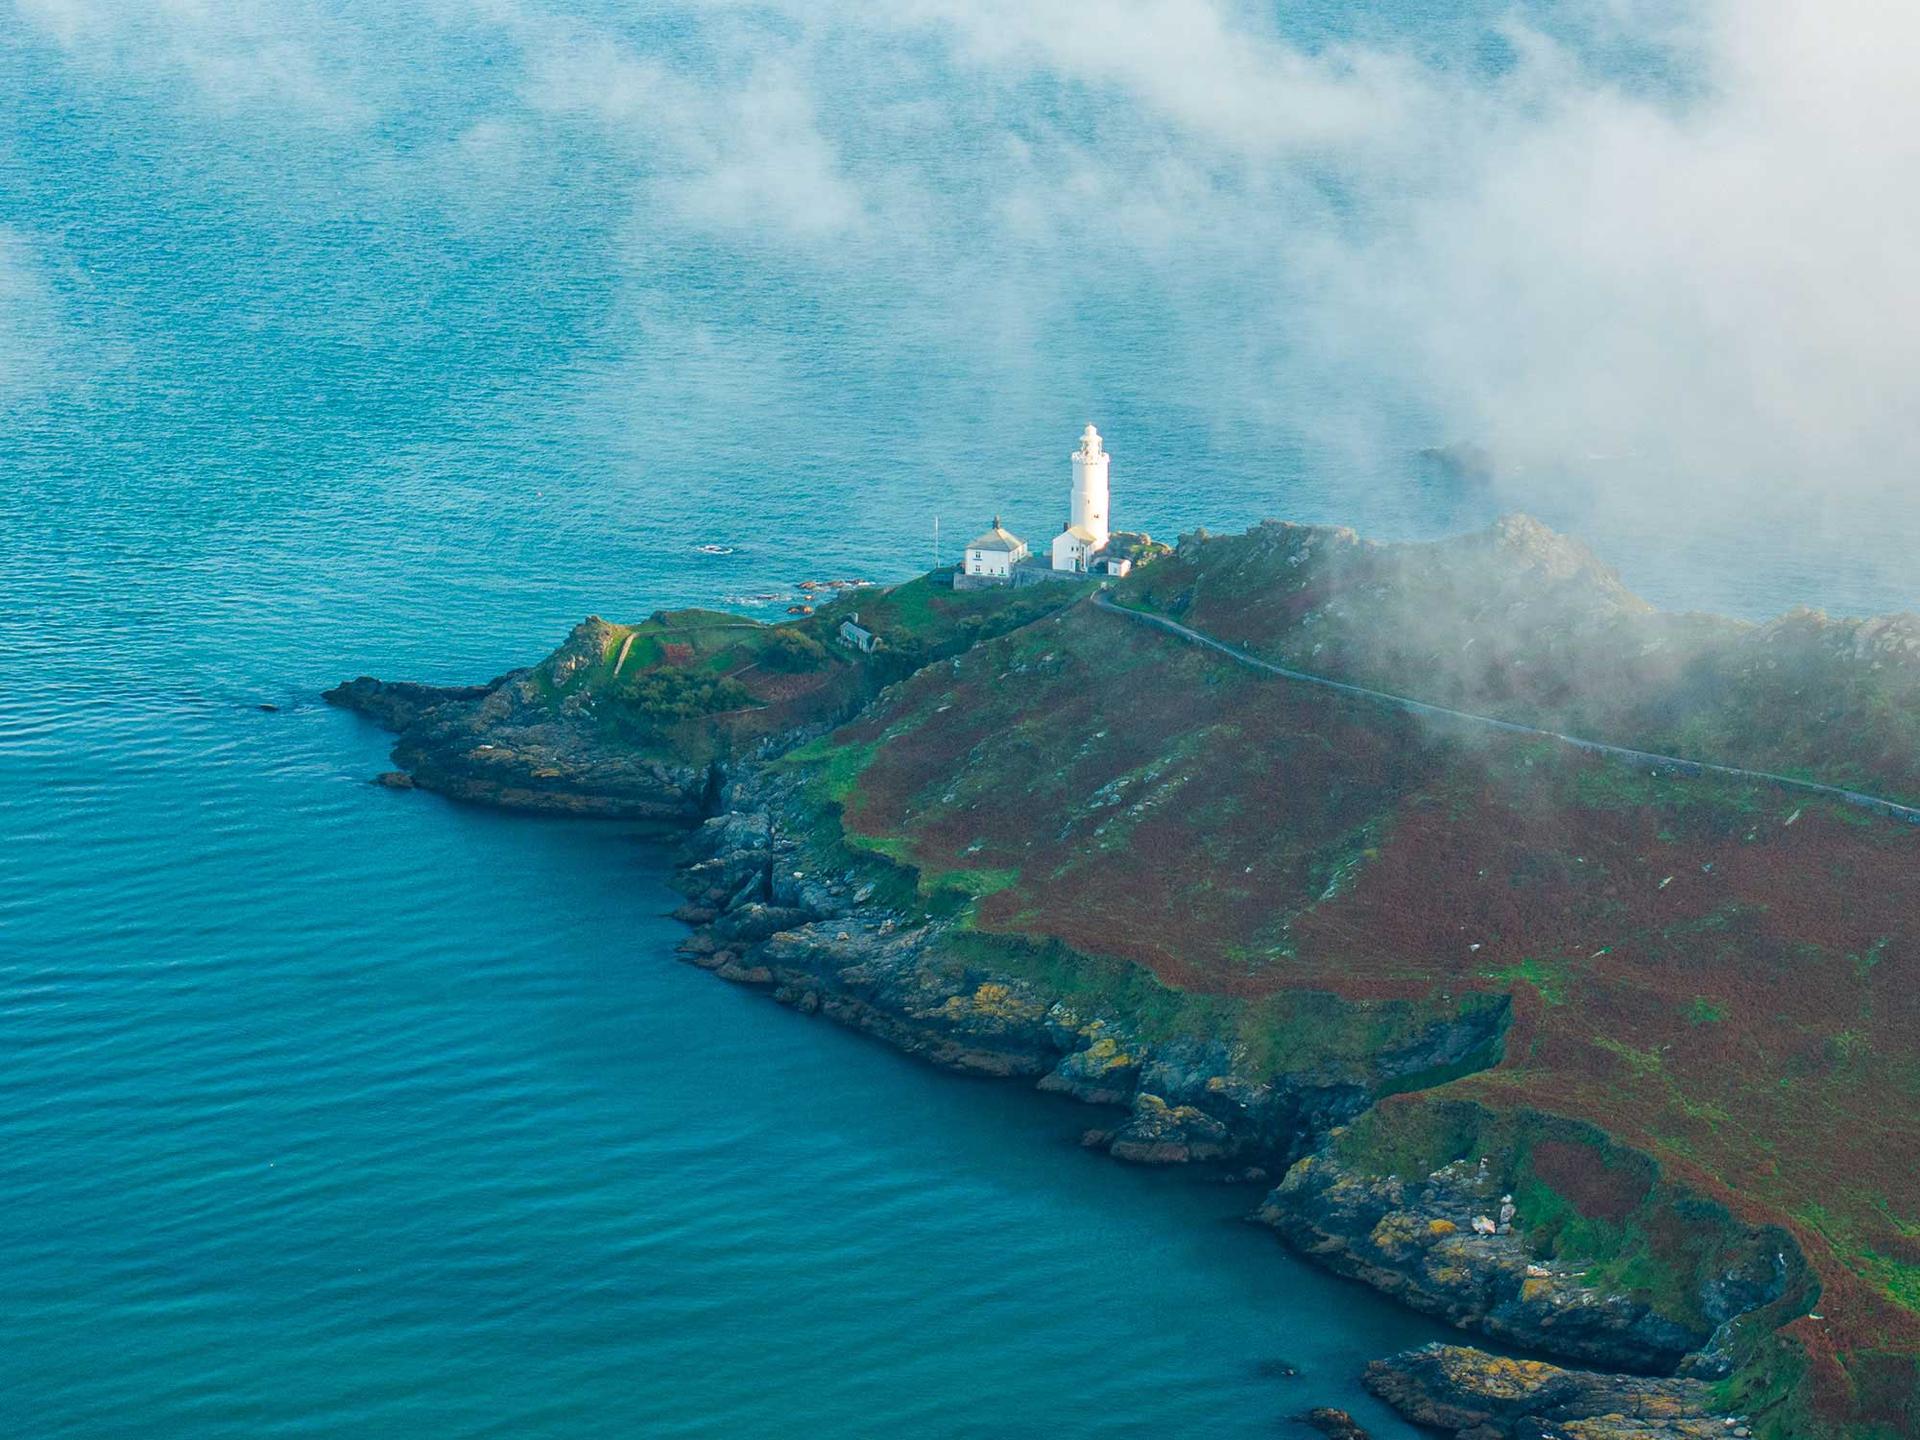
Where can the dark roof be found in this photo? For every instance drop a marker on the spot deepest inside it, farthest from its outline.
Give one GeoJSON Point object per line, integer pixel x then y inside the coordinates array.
{"type": "Point", "coordinates": [998, 538]}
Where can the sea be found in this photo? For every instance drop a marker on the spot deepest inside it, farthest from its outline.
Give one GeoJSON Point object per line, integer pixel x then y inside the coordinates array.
{"type": "Point", "coordinates": [394, 338]}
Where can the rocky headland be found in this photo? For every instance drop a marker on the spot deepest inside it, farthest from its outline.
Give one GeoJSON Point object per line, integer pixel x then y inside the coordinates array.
{"type": "Point", "coordinates": [506, 744]}
{"type": "Point", "coordinates": [1320, 947]}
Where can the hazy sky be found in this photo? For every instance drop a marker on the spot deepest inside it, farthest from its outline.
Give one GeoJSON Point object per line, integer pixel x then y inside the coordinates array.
{"type": "Point", "coordinates": [1660, 255]}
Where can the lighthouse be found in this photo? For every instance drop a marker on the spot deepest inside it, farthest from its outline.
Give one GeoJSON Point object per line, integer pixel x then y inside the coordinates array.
{"type": "Point", "coordinates": [1086, 533]}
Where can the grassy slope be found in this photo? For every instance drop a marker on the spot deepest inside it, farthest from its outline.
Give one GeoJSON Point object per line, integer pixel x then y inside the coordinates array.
{"type": "Point", "coordinates": [692, 684]}
{"type": "Point", "coordinates": [1720, 976]}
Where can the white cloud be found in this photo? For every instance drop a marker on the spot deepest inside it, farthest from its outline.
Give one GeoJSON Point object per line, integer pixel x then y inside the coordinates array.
{"type": "Point", "coordinates": [1663, 252]}
{"type": "Point", "coordinates": [290, 58]}
{"type": "Point", "coordinates": [1208, 68]}
{"type": "Point", "coordinates": [1691, 277]}
{"type": "Point", "coordinates": [1720, 297]}
{"type": "Point", "coordinates": [735, 146]}
{"type": "Point", "coordinates": [762, 159]}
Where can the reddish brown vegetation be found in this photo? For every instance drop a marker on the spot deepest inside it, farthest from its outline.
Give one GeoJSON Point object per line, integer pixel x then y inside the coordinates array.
{"type": "Point", "coordinates": [770, 687]}
{"type": "Point", "coordinates": [1724, 985]}
{"type": "Point", "coordinates": [1597, 1190]}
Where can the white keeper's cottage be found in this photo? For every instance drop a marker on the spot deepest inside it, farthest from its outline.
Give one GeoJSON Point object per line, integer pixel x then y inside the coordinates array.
{"type": "Point", "coordinates": [993, 555]}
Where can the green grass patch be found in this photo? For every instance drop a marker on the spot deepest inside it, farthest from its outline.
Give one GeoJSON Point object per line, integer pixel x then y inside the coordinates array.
{"type": "Point", "coordinates": [1704, 1011]}
{"type": "Point", "coordinates": [1643, 1063]}
{"type": "Point", "coordinates": [1898, 1280]}
{"type": "Point", "coordinates": [831, 767]}
{"type": "Point", "coordinates": [1549, 978]}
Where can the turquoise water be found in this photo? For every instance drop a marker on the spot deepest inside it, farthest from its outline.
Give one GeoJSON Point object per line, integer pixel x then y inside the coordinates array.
{"type": "Point", "coordinates": [394, 339]}
{"type": "Point", "coordinates": [329, 1112]}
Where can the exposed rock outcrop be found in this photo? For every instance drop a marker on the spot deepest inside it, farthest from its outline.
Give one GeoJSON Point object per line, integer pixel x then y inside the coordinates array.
{"type": "Point", "coordinates": [1447, 1243]}
{"type": "Point", "coordinates": [1335, 1424]}
{"type": "Point", "coordinates": [1478, 1396]}
{"type": "Point", "coordinates": [396, 704]}
{"type": "Point", "coordinates": [504, 744]}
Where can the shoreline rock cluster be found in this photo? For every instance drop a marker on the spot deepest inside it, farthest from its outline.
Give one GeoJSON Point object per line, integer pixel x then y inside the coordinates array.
{"type": "Point", "coordinates": [1477, 1396]}
{"type": "Point", "coordinates": [1434, 1244]}
{"type": "Point", "coordinates": [820, 942]}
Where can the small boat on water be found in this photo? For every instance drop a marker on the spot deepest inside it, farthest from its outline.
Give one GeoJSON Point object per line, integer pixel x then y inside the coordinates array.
{"type": "Point", "coordinates": [714, 549]}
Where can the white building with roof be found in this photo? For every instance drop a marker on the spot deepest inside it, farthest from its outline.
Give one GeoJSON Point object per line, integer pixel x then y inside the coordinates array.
{"type": "Point", "coordinates": [993, 555]}
{"type": "Point", "coordinates": [1000, 557]}
{"type": "Point", "coordinates": [1086, 534]}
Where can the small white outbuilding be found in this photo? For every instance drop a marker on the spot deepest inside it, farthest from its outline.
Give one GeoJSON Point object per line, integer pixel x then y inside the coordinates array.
{"type": "Point", "coordinates": [856, 636]}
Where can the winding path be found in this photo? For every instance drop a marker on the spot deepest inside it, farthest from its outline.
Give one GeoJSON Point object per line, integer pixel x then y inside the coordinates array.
{"type": "Point", "coordinates": [1892, 809]}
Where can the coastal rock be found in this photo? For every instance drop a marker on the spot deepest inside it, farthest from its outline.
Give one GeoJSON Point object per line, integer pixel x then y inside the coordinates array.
{"type": "Point", "coordinates": [833, 949]}
{"type": "Point", "coordinates": [753, 921]}
{"type": "Point", "coordinates": [502, 744]}
{"type": "Point", "coordinates": [398, 704]}
{"type": "Point", "coordinates": [1161, 1134]}
{"type": "Point", "coordinates": [1334, 1424]}
{"type": "Point", "coordinates": [1104, 1072]}
{"type": "Point", "coordinates": [1435, 1244]}
{"type": "Point", "coordinates": [1478, 1396]}
{"type": "Point", "coordinates": [875, 977]}
{"type": "Point", "coordinates": [743, 974]}
{"type": "Point", "coordinates": [735, 832]}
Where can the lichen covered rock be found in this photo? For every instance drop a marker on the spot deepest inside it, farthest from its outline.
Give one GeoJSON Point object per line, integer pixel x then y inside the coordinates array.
{"type": "Point", "coordinates": [1437, 1243]}
{"type": "Point", "coordinates": [506, 744]}
{"type": "Point", "coordinates": [1478, 1396]}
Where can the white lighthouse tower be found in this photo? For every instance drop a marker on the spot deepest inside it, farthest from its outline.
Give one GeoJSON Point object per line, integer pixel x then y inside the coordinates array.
{"type": "Point", "coordinates": [1086, 533]}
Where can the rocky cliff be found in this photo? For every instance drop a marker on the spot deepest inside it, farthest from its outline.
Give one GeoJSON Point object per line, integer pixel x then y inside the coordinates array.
{"type": "Point", "coordinates": [772, 911]}
{"type": "Point", "coordinates": [1453, 1244]}
{"type": "Point", "coordinates": [774, 907]}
